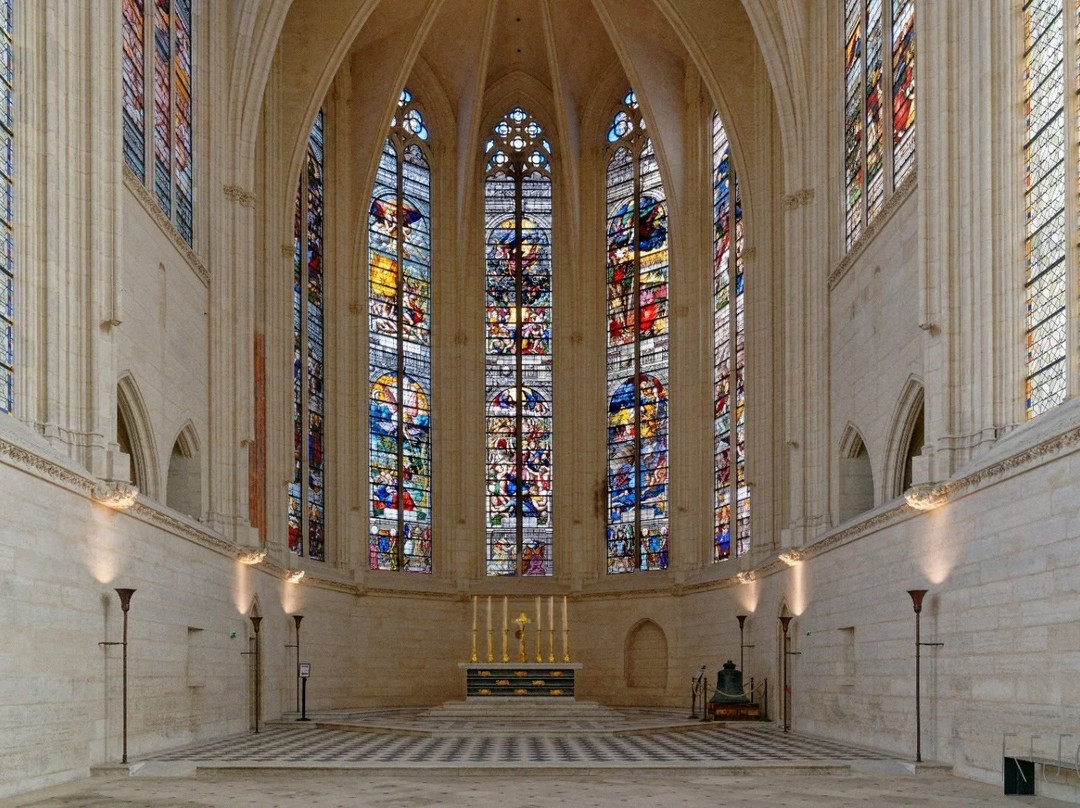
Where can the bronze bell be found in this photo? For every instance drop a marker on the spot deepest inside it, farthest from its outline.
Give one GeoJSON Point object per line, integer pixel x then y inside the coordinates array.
{"type": "Point", "coordinates": [729, 686]}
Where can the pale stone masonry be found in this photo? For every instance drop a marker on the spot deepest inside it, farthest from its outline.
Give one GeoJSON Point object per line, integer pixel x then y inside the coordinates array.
{"type": "Point", "coordinates": [114, 313]}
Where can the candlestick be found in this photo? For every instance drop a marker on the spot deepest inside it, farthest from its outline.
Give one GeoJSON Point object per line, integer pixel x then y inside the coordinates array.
{"type": "Point", "coordinates": [539, 633]}
{"type": "Point", "coordinates": [551, 628]}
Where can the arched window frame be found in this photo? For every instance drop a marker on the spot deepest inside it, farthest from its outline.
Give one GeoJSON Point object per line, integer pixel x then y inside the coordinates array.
{"type": "Point", "coordinates": [1051, 81]}
{"type": "Point", "coordinates": [637, 379]}
{"type": "Point", "coordinates": [879, 136]}
{"type": "Point", "coordinates": [7, 173]}
{"type": "Point", "coordinates": [399, 347]}
{"type": "Point", "coordinates": [162, 105]}
{"type": "Point", "coordinates": [729, 340]}
{"type": "Point", "coordinates": [307, 504]}
{"type": "Point", "coordinates": [519, 361]}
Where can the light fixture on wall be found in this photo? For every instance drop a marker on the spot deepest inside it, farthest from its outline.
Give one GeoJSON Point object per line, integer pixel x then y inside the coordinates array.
{"type": "Point", "coordinates": [115, 494]}
{"type": "Point", "coordinates": [252, 558]}
{"type": "Point", "coordinates": [125, 606]}
{"type": "Point", "coordinates": [926, 496]}
{"type": "Point", "coordinates": [917, 596]}
{"type": "Point", "coordinates": [296, 619]}
{"type": "Point", "coordinates": [294, 577]}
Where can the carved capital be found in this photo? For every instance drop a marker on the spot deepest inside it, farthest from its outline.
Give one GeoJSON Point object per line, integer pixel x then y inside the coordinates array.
{"type": "Point", "coordinates": [235, 193]}
{"type": "Point", "coordinates": [803, 196]}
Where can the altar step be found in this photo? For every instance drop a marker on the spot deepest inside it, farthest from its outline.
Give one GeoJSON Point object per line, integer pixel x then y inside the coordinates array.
{"type": "Point", "coordinates": [506, 717]}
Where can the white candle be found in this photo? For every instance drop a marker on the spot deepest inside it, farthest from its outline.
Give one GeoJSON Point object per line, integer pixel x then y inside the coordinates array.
{"type": "Point", "coordinates": [489, 614]}
{"type": "Point", "coordinates": [564, 613]}
{"type": "Point", "coordinates": [506, 623]}
{"type": "Point", "coordinates": [537, 615]}
{"type": "Point", "coordinates": [474, 612]}
{"type": "Point", "coordinates": [551, 612]}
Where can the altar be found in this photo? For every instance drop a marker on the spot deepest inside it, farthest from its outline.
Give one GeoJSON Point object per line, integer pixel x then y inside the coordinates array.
{"type": "Point", "coordinates": [535, 673]}
{"type": "Point", "coordinates": [519, 680]}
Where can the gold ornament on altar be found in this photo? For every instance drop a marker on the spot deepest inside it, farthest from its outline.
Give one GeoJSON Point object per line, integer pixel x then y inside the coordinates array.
{"type": "Point", "coordinates": [522, 620]}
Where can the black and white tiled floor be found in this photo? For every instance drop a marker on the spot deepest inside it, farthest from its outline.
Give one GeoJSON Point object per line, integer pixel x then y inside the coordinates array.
{"type": "Point", "coordinates": [708, 746]}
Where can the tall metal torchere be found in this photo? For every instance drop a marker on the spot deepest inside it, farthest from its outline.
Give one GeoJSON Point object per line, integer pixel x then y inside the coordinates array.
{"type": "Point", "coordinates": [125, 605]}
{"type": "Point", "coordinates": [255, 621]}
{"type": "Point", "coordinates": [785, 694]}
{"type": "Point", "coordinates": [917, 596]}
{"type": "Point", "coordinates": [297, 618]}
{"type": "Point", "coordinates": [742, 644]}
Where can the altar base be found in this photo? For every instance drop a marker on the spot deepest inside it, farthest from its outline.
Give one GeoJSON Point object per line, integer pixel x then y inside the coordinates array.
{"type": "Point", "coordinates": [519, 681]}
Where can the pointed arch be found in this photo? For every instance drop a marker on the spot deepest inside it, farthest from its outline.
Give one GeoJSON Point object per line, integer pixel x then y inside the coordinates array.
{"type": "Point", "coordinates": [646, 656]}
{"type": "Point", "coordinates": [907, 429]}
{"type": "Point", "coordinates": [518, 373]}
{"type": "Point", "coordinates": [856, 475]}
{"type": "Point", "coordinates": [183, 487]}
{"type": "Point", "coordinates": [637, 338]}
{"type": "Point", "coordinates": [399, 346]}
{"type": "Point", "coordinates": [134, 419]}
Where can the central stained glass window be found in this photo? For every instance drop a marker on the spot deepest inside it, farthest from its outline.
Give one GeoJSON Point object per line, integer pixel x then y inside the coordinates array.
{"type": "Point", "coordinates": [637, 348]}
{"type": "Point", "coordinates": [518, 368]}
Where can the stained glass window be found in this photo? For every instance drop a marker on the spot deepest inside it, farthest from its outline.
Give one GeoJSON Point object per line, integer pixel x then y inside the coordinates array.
{"type": "Point", "coordinates": [306, 490]}
{"type": "Point", "coordinates": [729, 324]}
{"type": "Point", "coordinates": [903, 88]}
{"type": "Point", "coordinates": [1045, 190]}
{"type": "Point", "coordinates": [872, 168]}
{"type": "Point", "coordinates": [399, 348]}
{"type": "Point", "coordinates": [637, 347]}
{"type": "Point", "coordinates": [156, 42]}
{"type": "Point", "coordinates": [134, 88]}
{"type": "Point", "coordinates": [518, 372]}
{"type": "Point", "coordinates": [7, 174]}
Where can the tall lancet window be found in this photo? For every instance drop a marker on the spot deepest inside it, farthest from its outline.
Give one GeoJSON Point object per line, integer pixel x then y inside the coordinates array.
{"type": "Point", "coordinates": [306, 498]}
{"type": "Point", "coordinates": [7, 250]}
{"type": "Point", "coordinates": [518, 381]}
{"type": "Point", "coordinates": [1048, 25]}
{"type": "Point", "coordinates": [637, 348]}
{"type": "Point", "coordinates": [879, 129]}
{"type": "Point", "coordinates": [399, 348]}
{"type": "Point", "coordinates": [729, 324]}
{"type": "Point", "coordinates": [156, 42]}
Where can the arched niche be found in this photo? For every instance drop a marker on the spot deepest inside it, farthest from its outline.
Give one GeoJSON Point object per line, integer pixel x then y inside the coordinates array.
{"type": "Point", "coordinates": [646, 657]}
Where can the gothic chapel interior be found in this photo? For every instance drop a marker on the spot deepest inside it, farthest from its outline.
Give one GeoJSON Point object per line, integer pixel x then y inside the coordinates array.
{"type": "Point", "coordinates": [378, 312]}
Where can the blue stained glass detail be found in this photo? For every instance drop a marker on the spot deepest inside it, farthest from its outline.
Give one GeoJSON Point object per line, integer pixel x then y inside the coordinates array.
{"type": "Point", "coordinates": [399, 353]}
{"type": "Point", "coordinates": [637, 348]}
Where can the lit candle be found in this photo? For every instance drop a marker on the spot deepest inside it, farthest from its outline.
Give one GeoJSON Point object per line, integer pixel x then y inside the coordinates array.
{"type": "Point", "coordinates": [474, 612]}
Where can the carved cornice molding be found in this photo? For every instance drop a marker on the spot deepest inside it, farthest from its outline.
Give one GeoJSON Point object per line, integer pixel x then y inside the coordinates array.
{"type": "Point", "coordinates": [150, 205]}
{"type": "Point", "coordinates": [234, 193]}
{"type": "Point", "coordinates": [898, 198]}
{"type": "Point", "coordinates": [794, 201]}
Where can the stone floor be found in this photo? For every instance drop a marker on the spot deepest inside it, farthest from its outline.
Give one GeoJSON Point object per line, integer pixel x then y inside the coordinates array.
{"type": "Point", "coordinates": [586, 758]}
{"type": "Point", "coordinates": [611, 789]}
